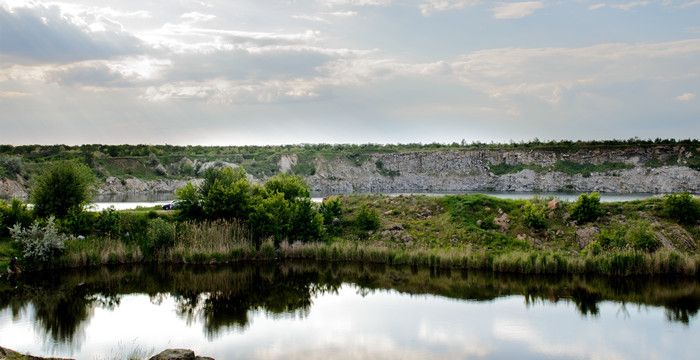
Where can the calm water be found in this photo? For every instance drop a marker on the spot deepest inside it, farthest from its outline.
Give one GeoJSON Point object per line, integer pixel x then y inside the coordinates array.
{"type": "Point", "coordinates": [312, 311]}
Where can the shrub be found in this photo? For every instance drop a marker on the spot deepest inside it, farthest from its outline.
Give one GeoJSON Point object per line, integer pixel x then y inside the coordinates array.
{"type": "Point", "coordinates": [189, 202]}
{"type": "Point", "coordinates": [78, 223]}
{"type": "Point", "coordinates": [682, 208]}
{"type": "Point", "coordinates": [14, 213]}
{"type": "Point", "coordinates": [226, 194]}
{"type": "Point", "coordinates": [292, 186]}
{"type": "Point", "coordinates": [161, 236]}
{"type": "Point", "coordinates": [367, 219]}
{"type": "Point", "coordinates": [306, 222]}
{"type": "Point", "coordinates": [534, 215]}
{"type": "Point", "coordinates": [108, 223]}
{"type": "Point", "coordinates": [332, 211]}
{"type": "Point", "coordinates": [11, 166]}
{"type": "Point", "coordinates": [587, 208]}
{"type": "Point", "coordinates": [39, 243]}
{"type": "Point", "coordinates": [62, 188]}
{"type": "Point", "coordinates": [271, 217]}
{"type": "Point", "coordinates": [641, 237]}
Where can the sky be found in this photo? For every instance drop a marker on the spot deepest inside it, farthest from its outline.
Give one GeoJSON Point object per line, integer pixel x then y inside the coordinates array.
{"type": "Point", "coordinates": [209, 72]}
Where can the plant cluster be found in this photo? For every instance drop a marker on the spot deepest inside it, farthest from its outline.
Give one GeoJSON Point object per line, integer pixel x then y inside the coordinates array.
{"type": "Point", "coordinates": [682, 207]}
{"type": "Point", "coordinates": [280, 209]}
{"type": "Point", "coordinates": [39, 243]}
{"type": "Point", "coordinates": [587, 208]}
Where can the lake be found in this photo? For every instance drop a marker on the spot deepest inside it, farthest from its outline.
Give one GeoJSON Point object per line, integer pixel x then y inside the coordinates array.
{"type": "Point", "coordinates": [347, 311]}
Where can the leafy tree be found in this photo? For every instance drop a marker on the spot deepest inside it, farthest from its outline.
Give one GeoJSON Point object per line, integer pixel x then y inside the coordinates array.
{"type": "Point", "coordinates": [271, 217]}
{"type": "Point", "coordinates": [292, 186]}
{"type": "Point", "coordinates": [307, 222]}
{"type": "Point", "coordinates": [189, 202]}
{"type": "Point", "coordinates": [587, 207]}
{"type": "Point", "coordinates": [62, 188]}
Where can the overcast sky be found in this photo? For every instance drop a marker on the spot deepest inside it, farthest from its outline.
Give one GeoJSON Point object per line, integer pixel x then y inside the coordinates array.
{"type": "Point", "coordinates": [347, 71]}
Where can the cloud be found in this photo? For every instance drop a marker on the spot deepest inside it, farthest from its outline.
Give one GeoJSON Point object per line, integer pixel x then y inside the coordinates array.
{"type": "Point", "coordinates": [43, 34]}
{"type": "Point", "coordinates": [196, 17]}
{"type": "Point", "coordinates": [433, 6]}
{"type": "Point", "coordinates": [332, 3]}
{"type": "Point", "coordinates": [686, 97]}
{"type": "Point", "coordinates": [516, 10]}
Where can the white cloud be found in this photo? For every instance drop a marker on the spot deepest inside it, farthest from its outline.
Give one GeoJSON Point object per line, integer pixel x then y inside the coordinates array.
{"type": "Point", "coordinates": [45, 34]}
{"type": "Point", "coordinates": [197, 17]}
{"type": "Point", "coordinates": [355, 2]}
{"type": "Point", "coordinates": [516, 10]}
{"type": "Point", "coordinates": [686, 97]}
{"type": "Point", "coordinates": [433, 6]}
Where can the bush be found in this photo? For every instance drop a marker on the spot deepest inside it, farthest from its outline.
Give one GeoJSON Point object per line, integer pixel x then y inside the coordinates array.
{"type": "Point", "coordinates": [14, 213]}
{"type": "Point", "coordinates": [39, 243]}
{"type": "Point", "coordinates": [78, 223]}
{"type": "Point", "coordinates": [226, 194]}
{"type": "Point", "coordinates": [534, 215]}
{"type": "Point", "coordinates": [271, 217]}
{"type": "Point", "coordinates": [108, 223]}
{"type": "Point", "coordinates": [292, 186]}
{"type": "Point", "coordinates": [682, 208]}
{"type": "Point", "coordinates": [62, 188]}
{"type": "Point", "coordinates": [189, 202]}
{"type": "Point", "coordinates": [587, 208]}
{"type": "Point", "coordinates": [161, 236]}
{"type": "Point", "coordinates": [332, 211]}
{"type": "Point", "coordinates": [307, 223]}
{"type": "Point", "coordinates": [641, 237]}
{"type": "Point", "coordinates": [11, 166]}
{"type": "Point", "coordinates": [367, 219]}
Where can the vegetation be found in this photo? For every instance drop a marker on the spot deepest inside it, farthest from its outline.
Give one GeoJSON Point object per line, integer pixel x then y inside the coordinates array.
{"type": "Point", "coordinates": [62, 188]}
{"type": "Point", "coordinates": [227, 219]}
{"type": "Point", "coordinates": [682, 208]}
{"type": "Point", "coordinates": [167, 161]}
{"type": "Point", "coordinates": [39, 243]}
{"type": "Point", "coordinates": [587, 208]}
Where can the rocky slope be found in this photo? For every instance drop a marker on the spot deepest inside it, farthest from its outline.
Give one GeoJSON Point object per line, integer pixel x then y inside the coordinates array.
{"type": "Point", "coordinates": [473, 171]}
{"type": "Point", "coordinates": [652, 169]}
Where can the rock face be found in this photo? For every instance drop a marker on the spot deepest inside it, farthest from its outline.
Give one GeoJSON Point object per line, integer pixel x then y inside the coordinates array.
{"type": "Point", "coordinates": [178, 354]}
{"type": "Point", "coordinates": [469, 170]}
{"type": "Point", "coordinates": [12, 188]}
{"type": "Point", "coordinates": [113, 185]}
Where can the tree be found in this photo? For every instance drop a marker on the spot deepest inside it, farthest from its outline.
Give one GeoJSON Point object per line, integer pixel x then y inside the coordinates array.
{"type": "Point", "coordinates": [62, 188]}
{"type": "Point", "coordinates": [292, 186]}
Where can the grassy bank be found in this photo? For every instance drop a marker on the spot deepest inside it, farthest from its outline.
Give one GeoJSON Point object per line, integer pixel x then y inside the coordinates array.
{"type": "Point", "coordinates": [539, 236]}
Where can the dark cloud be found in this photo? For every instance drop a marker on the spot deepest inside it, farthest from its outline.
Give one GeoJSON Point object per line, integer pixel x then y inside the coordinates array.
{"type": "Point", "coordinates": [43, 34]}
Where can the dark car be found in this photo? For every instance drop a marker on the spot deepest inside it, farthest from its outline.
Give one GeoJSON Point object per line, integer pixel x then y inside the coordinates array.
{"type": "Point", "coordinates": [171, 206]}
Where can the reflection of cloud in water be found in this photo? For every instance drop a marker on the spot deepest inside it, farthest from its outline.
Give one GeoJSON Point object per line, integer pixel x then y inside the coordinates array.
{"type": "Point", "coordinates": [523, 331]}
{"type": "Point", "coordinates": [464, 344]}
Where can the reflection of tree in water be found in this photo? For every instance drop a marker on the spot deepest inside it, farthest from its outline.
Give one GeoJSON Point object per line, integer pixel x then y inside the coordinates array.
{"type": "Point", "coordinates": [223, 297]}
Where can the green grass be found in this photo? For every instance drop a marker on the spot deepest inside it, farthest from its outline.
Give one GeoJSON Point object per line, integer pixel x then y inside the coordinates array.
{"type": "Point", "coordinates": [7, 251]}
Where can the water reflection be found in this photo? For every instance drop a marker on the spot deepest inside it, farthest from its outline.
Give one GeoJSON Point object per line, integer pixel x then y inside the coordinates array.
{"type": "Point", "coordinates": [59, 305]}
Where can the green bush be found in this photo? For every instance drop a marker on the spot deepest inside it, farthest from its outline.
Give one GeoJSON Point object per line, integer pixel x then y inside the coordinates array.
{"type": "Point", "coordinates": [62, 188]}
{"type": "Point", "coordinates": [292, 186]}
{"type": "Point", "coordinates": [161, 236]}
{"type": "Point", "coordinates": [332, 212]}
{"type": "Point", "coordinates": [682, 208]}
{"type": "Point", "coordinates": [14, 213]}
{"type": "Point", "coordinates": [534, 215]}
{"type": "Point", "coordinates": [78, 223]}
{"type": "Point", "coordinates": [306, 222]}
{"type": "Point", "coordinates": [640, 236]}
{"type": "Point", "coordinates": [189, 202]}
{"type": "Point", "coordinates": [272, 217]}
{"type": "Point", "coordinates": [367, 219]}
{"type": "Point", "coordinates": [39, 243]}
{"type": "Point", "coordinates": [108, 224]}
{"type": "Point", "coordinates": [587, 208]}
{"type": "Point", "coordinates": [226, 194]}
